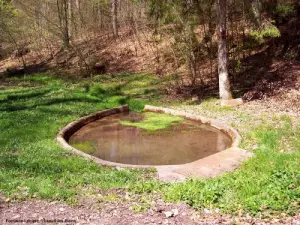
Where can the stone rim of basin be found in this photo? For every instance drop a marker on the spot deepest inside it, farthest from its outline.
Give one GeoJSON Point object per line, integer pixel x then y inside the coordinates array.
{"type": "Point", "coordinates": [207, 167]}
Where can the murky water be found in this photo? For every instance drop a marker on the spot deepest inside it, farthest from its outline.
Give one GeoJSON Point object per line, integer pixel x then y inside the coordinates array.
{"type": "Point", "coordinates": [181, 143]}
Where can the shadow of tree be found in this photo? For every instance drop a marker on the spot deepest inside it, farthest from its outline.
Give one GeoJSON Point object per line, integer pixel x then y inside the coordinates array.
{"type": "Point", "coordinates": [46, 102]}
{"type": "Point", "coordinates": [264, 76]}
{"type": "Point", "coordinates": [260, 76]}
{"type": "Point", "coordinates": [29, 69]}
{"type": "Point", "coordinates": [23, 95]}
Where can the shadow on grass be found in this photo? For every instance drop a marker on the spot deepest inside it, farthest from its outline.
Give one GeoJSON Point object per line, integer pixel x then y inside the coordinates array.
{"type": "Point", "coordinates": [47, 102]}
{"type": "Point", "coordinates": [21, 71]}
{"type": "Point", "coordinates": [20, 96]}
{"type": "Point", "coordinates": [135, 86]}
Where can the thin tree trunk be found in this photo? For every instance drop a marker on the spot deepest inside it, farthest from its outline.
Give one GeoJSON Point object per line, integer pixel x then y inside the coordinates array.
{"type": "Point", "coordinates": [255, 9]}
{"type": "Point", "coordinates": [114, 9]}
{"type": "Point", "coordinates": [66, 24]}
{"type": "Point", "coordinates": [62, 7]}
{"type": "Point", "coordinates": [70, 18]}
{"type": "Point", "coordinates": [224, 84]}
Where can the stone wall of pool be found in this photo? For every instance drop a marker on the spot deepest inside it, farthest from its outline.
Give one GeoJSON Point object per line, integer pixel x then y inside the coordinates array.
{"type": "Point", "coordinates": [211, 166]}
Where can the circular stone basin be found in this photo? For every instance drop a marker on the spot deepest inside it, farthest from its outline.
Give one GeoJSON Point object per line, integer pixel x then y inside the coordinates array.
{"type": "Point", "coordinates": [198, 147]}
{"type": "Point", "coordinates": [182, 142]}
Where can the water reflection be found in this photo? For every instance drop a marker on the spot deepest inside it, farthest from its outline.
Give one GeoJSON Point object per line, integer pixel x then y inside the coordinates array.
{"type": "Point", "coordinates": [179, 144]}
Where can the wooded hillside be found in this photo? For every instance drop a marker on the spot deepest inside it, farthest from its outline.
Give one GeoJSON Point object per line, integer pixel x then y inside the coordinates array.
{"type": "Point", "coordinates": [169, 38]}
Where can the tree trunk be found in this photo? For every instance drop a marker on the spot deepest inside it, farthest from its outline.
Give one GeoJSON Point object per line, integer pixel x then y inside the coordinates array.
{"type": "Point", "coordinates": [255, 9]}
{"type": "Point", "coordinates": [70, 18]}
{"type": "Point", "coordinates": [224, 84]}
{"type": "Point", "coordinates": [66, 24]}
{"type": "Point", "coordinates": [114, 10]}
{"type": "Point", "coordinates": [62, 7]}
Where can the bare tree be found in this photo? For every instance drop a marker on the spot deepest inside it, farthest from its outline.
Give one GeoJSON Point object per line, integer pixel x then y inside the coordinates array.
{"type": "Point", "coordinates": [63, 14]}
{"type": "Point", "coordinates": [114, 9]}
{"type": "Point", "coordinates": [224, 84]}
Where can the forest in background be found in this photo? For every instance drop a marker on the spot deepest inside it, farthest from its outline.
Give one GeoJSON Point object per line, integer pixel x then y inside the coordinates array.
{"type": "Point", "coordinates": [168, 38]}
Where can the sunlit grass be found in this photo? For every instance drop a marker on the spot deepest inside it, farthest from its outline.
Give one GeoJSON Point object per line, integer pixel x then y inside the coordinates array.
{"type": "Point", "coordinates": [32, 164]}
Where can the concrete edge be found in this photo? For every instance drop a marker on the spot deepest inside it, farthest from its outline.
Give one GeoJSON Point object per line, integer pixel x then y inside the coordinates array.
{"type": "Point", "coordinates": [165, 172]}
{"type": "Point", "coordinates": [66, 132]}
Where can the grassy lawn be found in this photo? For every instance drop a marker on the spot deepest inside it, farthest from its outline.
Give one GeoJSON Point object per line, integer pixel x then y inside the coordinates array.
{"type": "Point", "coordinates": [33, 165]}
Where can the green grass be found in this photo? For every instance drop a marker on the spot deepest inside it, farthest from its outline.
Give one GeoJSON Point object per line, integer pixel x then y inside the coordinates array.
{"type": "Point", "coordinates": [154, 121]}
{"type": "Point", "coordinates": [213, 104]}
{"type": "Point", "coordinates": [32, 164]}
{"type": "Point", "coordinates": [267, 183]}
